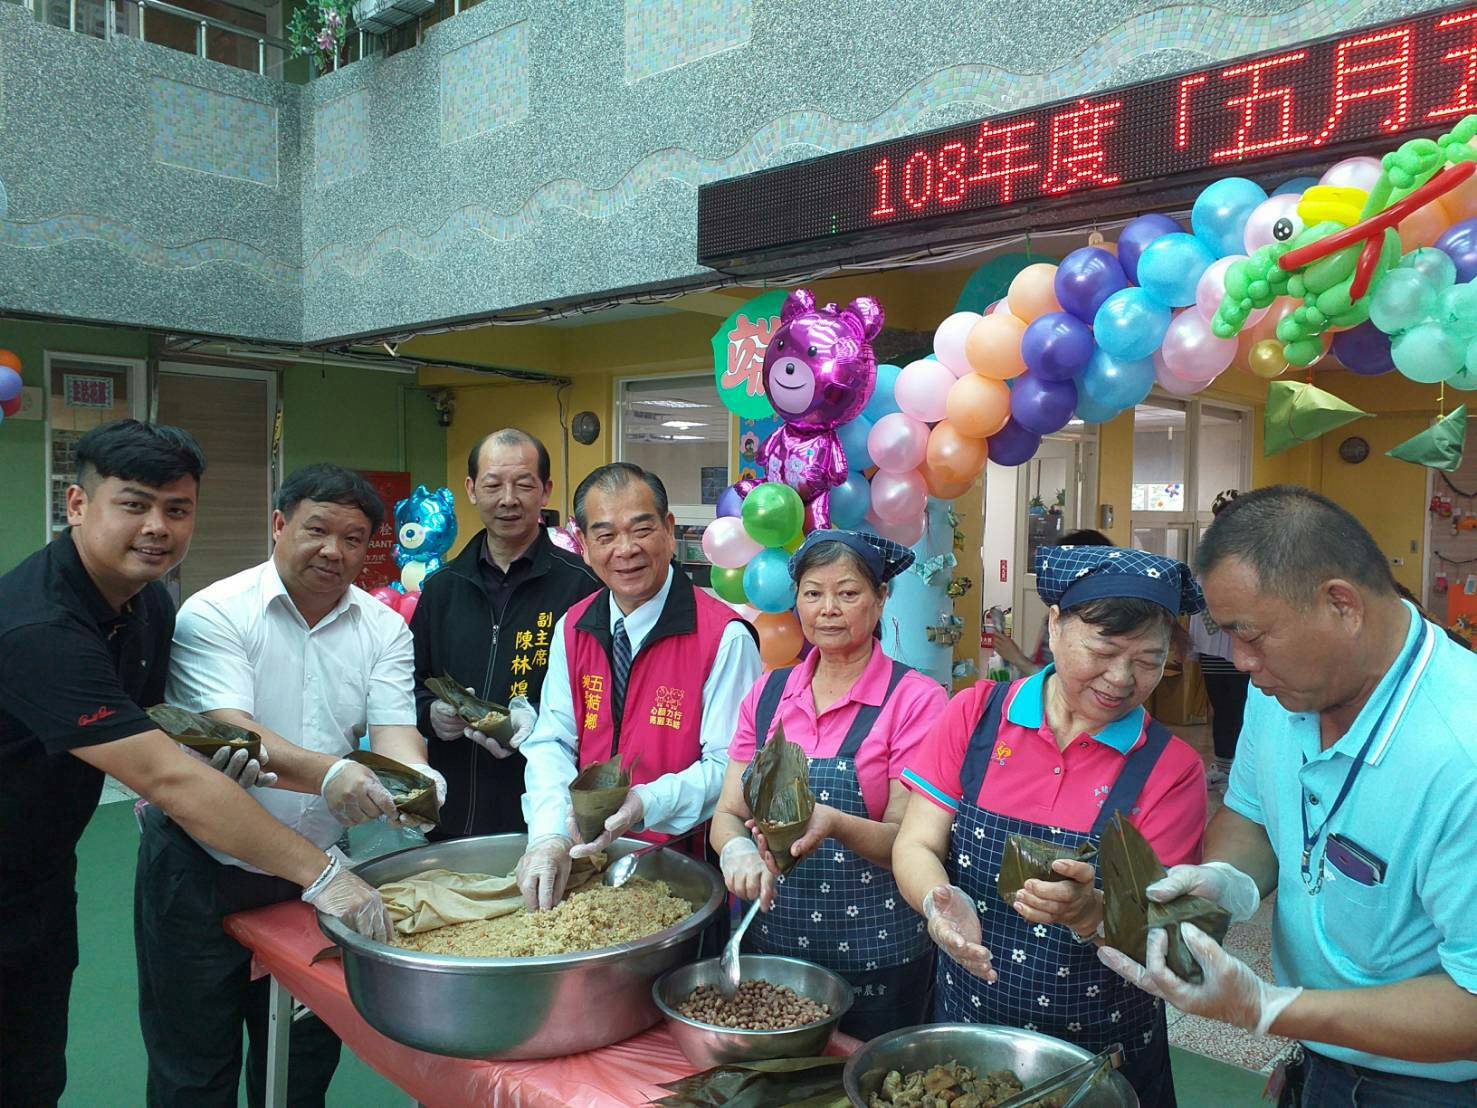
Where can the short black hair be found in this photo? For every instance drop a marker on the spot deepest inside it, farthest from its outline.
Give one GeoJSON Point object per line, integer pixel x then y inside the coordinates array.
{"type": "Point", "coordinates": [510, 436]}
{"type": "Point", "coordinates": [1294, 540]}
{"type": "Point", "coordinates": [150, 453]}
{"type": "Point", "coordinates": [331, 484]}
{"type": "Point", "coordinates": [613, 476]}
{"type": "Point", "coordinates": [829, 553]}
{"type": "Point", "coordinates": [1121, 615]}
{"type": "Point", "coordinates": [1085, 537]}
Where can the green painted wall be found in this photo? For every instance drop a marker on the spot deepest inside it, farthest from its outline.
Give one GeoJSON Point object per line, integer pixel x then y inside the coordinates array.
{"type": "Point", "coordinates": [362, 418]}
{"type": "Point", "coordinates": [23, 442]}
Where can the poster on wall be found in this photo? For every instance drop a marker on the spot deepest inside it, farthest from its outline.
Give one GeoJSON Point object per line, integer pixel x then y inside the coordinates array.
{"type": "Point", "coordinates": [738, 355]}
{"type": "Point", "coordinates": [379, 564]}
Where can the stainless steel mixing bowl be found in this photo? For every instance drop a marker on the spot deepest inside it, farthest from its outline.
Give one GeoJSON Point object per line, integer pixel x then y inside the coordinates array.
{"type": "Point", "coordinates": [518, 1007]}
{"type": "Point", "coordinates": [706, 1045]}
{"type": "Point", "coordinates": [1033, 1058]}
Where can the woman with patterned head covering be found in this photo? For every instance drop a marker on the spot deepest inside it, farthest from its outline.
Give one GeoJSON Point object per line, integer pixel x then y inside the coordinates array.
{"type": "Point", "coordinates": [859, 716]}
{"type": "Point", "coordinates": [1054, 757]}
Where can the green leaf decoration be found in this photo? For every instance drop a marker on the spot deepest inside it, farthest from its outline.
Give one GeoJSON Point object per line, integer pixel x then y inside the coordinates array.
{"type": "Point", "coordinates": [1298, 412]}
{"type": "Point", "coordinates": [1438, 446]}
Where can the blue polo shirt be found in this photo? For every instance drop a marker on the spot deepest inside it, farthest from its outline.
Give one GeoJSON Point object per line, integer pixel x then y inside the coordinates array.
{"type": "Point", "coordinates": [1413, 805]}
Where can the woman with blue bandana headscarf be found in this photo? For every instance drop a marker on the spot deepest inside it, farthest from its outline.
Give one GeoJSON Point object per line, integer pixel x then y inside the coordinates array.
{"type": "Point", "coordinates": [860, 717]}
{"type": "Point", "coordinates": [1054, 757]}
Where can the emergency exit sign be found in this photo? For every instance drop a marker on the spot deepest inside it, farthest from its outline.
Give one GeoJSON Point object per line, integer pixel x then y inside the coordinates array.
{"type": "Point", "coordinates": [1402, 78]}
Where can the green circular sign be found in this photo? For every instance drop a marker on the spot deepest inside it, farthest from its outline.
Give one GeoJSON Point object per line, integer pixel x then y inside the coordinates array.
{"type": "Point", "coordinates": [738, 355]}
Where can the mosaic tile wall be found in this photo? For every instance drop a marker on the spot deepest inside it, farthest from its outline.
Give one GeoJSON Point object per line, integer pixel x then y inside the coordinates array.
{"type": "Point", "coordinates": [663, 34]}
{"type": "Point", "coordinates": [484, 84]}
{"type": "Point", "coordinates": [528, 151]}
{"type": "Point", "coordinates": [229, 136]}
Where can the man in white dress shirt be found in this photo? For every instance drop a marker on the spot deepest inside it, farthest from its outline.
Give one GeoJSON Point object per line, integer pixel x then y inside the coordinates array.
{"type": "Point", "coordinates": [649, 668]}
{"type": "Point", "coordinates": [294, 651]}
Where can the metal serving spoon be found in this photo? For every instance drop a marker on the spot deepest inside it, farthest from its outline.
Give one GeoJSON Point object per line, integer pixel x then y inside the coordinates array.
{"type": "Point", "coordinates": [624, 868]}
{"type": "Point", "coordinates": [728, 965]}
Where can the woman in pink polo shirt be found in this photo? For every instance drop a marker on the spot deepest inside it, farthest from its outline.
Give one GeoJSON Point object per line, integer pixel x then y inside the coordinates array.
{"type": "Point", "coordinates": [1055, 756]}
{"type": "Point", "coordinates": [860, 717]}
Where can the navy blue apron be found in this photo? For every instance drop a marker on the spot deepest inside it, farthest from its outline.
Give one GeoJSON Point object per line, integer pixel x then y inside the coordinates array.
{"type": "Point", "coordinates": [1048, 981]}
{"type": "Point", "coordinates": [839, 910]}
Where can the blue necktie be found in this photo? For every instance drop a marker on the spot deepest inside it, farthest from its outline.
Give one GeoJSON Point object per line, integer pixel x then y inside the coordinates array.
{"type": "Point", "coordinates": [621, 655]}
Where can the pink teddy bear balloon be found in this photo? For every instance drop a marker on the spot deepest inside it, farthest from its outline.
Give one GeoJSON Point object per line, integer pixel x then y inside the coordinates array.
{"type": "Point", "coordinates": [819, 372]}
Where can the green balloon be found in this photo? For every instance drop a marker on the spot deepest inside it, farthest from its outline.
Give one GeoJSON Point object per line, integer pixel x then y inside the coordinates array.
{"type": "Point", "coordinates": [729, 584]}
{"type": "Point", "coordinates": [773, 514]}
{"type": "Point", "coordinates": [1402, 299]}
{"type": "Point", "coordinates": [1428, 353]}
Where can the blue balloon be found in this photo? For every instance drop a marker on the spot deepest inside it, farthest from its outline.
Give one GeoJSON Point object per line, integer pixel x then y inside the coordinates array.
{"type": "Point", "coordinates": [1056, 346]}
{"type": "Point", "coordinates": [1115, 383]}
{"type": "Point", "coordinates": [850, 501]}
{"type": "Point", "coordinates": [1012, 444]}
{"type": "Point", "coordinates": [1136, 235]}
{"type": "Point", "coordinates": [1297, 184]}
{"type": "Point", "coordinates": [1221, 211]}
{"type": "Point", "coordinates": [730, 502]}
{"type": "Point", "coordinates": [853, 438]}
{"type": "Point", "coordinates": [1171, 266]}
{"type": "Point", "coordinates": [767, 581]}
{"type": "Point", "coordinates": [1085, 278]}
{"type": "Point", "coordinates": [882, 402]}
{"type": "Point", "coordinates": [1131, 324]}
{"type": "Point", "coordinates": [1042, 405]}
{"type": "Point", "coordinates": [1089, 411]}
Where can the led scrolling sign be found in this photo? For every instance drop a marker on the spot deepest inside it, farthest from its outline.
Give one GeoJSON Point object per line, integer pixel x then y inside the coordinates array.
{"type": "Point", "coordinates": [1410, 76]}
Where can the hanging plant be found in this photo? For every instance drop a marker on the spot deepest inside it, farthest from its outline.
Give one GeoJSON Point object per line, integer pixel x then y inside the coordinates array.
{"type": "Point", "coordinates": [318, 31]}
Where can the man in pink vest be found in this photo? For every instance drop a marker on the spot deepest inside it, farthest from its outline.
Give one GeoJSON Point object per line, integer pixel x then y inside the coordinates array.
{"type": "Point", "coordinates": [650, 668]}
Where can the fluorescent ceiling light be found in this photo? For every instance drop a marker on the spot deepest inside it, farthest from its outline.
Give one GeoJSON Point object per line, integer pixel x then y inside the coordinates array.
{"type": "Point", "coordinates": [667, 403]}
{"type": "Point", "coordinates": [682, 424]}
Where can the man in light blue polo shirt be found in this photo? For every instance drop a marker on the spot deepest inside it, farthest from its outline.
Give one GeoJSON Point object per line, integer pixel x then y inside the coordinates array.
{"type": "Point", "coordinates": [1354, 794]}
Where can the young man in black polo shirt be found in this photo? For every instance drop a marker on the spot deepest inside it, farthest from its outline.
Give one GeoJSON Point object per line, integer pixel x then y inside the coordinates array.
{"type": "Point", "coordinates": [487, 619]}
{"type": "Point", "coordinates": [85, 628]}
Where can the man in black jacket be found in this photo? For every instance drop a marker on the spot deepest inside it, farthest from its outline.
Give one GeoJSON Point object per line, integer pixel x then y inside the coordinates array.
{"type": "Point", "coordinates": [487, 620]}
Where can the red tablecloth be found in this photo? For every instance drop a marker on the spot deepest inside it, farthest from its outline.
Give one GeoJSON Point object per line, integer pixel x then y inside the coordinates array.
{"type": "Point", "coordinates": [284, 938]}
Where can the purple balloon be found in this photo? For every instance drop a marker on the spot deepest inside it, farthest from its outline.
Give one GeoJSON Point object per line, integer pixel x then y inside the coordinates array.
{"type": "Point", "coordinates": [1012, 444]}
{"type": "Point", "coordinates": [1085, 278]}
{"type": "Point", "coordinates": [1056, 346]}
{"type": "Point", "coordinates": [1459, 243]}
{"type": "Point", "coordinates": [1137, 235]}
{"type": "Point", "coordinates": [1364, 349]}
{"type": "Point", "coordinates": [1042, 405]}
{"type": "Point", "coordinates": [730, 502]}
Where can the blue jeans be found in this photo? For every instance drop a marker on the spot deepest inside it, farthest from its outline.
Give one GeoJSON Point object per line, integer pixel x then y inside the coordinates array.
{"type": "Point", "coordinates": [1331, 1084]}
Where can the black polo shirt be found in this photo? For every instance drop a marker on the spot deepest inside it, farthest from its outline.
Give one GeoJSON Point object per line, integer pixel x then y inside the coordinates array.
{"type": "Point", "coordinates": [73, 673]}
{"type": "Point", "coordinates": [499, 585]}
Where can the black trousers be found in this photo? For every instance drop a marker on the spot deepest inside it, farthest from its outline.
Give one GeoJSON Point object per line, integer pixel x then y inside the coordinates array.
{"type": "Point", "coordinates": [1227, 693]}
{"type": "Point", "coordinates": [195, 992]}
{"type": "Point", "coordinates": [35, 988]}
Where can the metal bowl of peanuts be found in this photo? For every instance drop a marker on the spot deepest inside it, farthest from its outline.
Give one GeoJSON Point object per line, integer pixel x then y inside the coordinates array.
{"type": "Point", "coordinates": [785, 1008]}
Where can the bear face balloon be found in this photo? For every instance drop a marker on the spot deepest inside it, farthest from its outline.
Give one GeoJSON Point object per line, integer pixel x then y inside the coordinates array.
{"type": "Point", "coordinates": [819, 372]}
{"type": "Point", "coordinates": [425, 528]}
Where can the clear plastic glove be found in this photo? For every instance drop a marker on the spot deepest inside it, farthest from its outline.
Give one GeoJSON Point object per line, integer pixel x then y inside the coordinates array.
{"type": "Point", "coordinates": [354, 794]}
{"type": "Point", "coordinates": [239, 766]}
{"type": "Point", "coordinates": [411, 821]}
{"type": "Point", "coordinates": [745, 873]}
{"type": "Point", "coordinates": [523, 718]}
{"type": "Point", "coordinates": [627, 816]}
{"type": "Point", "coordinates": [1218, 881]}
{"type": "Point", "coordinates": [543, 872]}
{"type": "Point", "coordinates": [339, 893]}
{"type": "Point", "coordinates": [1231, 992]}
{"type": "Point", "coordinates": [954, 926]}
{"type": "Point", "coordinates": [445, 721]}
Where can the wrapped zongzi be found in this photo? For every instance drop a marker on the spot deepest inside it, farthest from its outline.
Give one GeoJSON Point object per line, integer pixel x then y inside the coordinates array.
{"type": "Point", "coordinates": [414, 793]}
{"type": "Point", "coordinates": [203, 734]}
{"type": "Point", "coordinates": [1129, 866]}
{"type": "Point", "coordinates": [481, 715]}
{"type": "Point", "coordinates": [596, 794]}
{"type": "Point", "coordinates": [1025, 859]}
{"type": "Point", "coordinates": [777, 790]}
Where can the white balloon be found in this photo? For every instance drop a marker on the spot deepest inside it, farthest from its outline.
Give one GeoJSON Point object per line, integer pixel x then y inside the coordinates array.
{"type": "Point", "coordinates": [948, 341]}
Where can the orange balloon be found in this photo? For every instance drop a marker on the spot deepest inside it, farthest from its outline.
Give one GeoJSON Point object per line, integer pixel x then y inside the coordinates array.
{"type": "Point", "coordinates": [1422, 227]}
{"type": "Point", "coordinates": [1033, 292]}
{"type": "Point", "coordinates": [8, 358]}
{"type": "Point", "coordinates": [940, 489]}
{"type": "Point", "coordinates": [978, 406]}
{"type": "Point", "coordinates": [993, 346]}
{"type": "Point", "coordinates": [780, 637]}
{"type": "Point", "coordinates": [952, 456]}
{"type": "Point", "coordinates": [1461, 202]}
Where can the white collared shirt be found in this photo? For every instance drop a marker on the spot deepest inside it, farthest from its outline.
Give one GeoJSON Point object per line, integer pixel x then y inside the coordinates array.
{"type": "Point", "coordinates": [242, 644]}
{"type": "Point", "coordinates": [674, 802]}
